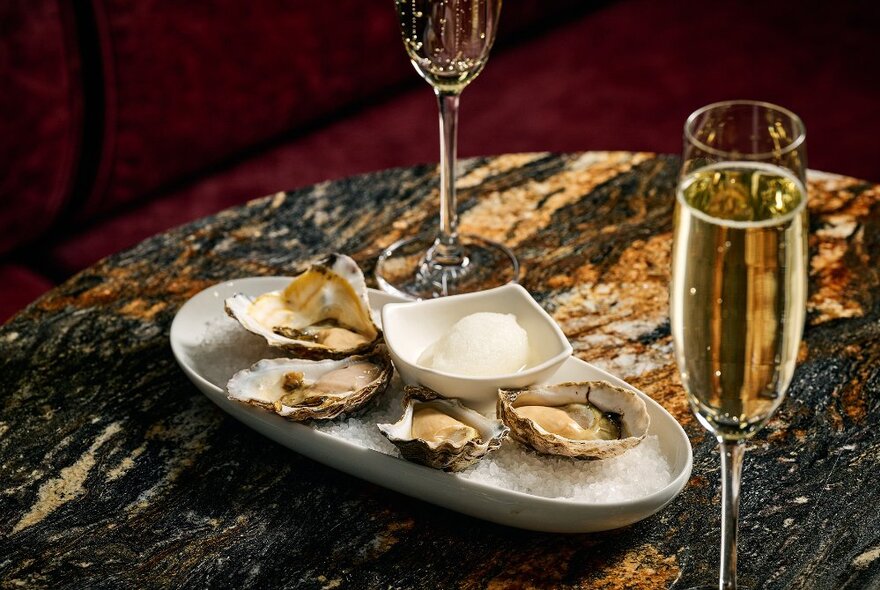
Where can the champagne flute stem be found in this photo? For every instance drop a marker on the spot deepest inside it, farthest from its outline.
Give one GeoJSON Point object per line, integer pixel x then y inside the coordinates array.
{"type": "Point", "coordinates": [731, 471]}
{"type": "Point", "coordinates": [447, 249]}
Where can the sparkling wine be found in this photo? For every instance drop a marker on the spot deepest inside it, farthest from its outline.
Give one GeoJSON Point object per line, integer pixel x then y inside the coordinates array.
{"type": "Point", "coordinates": [738, 291]}
{"type": "Point", "coordinates": [448, 41]}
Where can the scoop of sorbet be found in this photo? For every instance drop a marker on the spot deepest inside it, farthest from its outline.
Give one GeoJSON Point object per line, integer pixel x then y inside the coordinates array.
{"type": "Point", "coordinates": [480, 345]}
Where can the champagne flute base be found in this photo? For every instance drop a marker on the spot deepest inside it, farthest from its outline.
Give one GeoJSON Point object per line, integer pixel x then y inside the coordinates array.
{"type": "Point", "coordinates": [406, 268]}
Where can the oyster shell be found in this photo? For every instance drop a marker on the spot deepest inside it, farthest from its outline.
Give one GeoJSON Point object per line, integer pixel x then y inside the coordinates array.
{"type": "Point", "coordinates": [323, 313]}
{"type": "Point", "coordinates": [442, 433]}
{"type": "Point", "coordinates": [591, 419]}
{"type": "Point", "coordinates": [312, 390]}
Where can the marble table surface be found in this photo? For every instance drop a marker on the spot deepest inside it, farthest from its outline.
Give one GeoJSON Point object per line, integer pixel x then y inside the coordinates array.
{"type": "Point", "coordinates": [116, 472]}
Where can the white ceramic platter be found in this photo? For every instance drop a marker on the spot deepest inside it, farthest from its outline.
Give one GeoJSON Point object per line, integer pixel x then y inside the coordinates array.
{"type": "Point", "coordinates": [477, 499]}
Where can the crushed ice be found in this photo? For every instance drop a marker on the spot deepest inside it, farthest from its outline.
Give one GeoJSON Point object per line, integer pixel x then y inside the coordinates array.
{"type": "Point", "coordinates": [226, 348]}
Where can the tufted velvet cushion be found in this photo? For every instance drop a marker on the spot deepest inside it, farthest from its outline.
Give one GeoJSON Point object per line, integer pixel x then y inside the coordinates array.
{"type": "Point", "coordinates": [41, 121]}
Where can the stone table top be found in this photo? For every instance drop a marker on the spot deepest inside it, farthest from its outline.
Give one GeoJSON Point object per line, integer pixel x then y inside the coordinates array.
{"type": "Point", "coordinates": [116, 472]}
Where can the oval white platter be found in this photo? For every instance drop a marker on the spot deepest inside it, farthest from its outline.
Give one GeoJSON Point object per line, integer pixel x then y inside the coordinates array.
{"type": "Point", "coordinates": [496, 504]}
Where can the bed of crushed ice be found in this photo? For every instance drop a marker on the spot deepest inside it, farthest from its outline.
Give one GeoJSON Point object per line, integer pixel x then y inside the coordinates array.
{"type": "Point", "coordinates": [227, 348]}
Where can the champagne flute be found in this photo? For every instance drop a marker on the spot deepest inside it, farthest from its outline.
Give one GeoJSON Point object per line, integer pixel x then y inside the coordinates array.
{"type": "Point", "coordinates": [738, 290]}
{"type": "Point", "coordinates": [448, 43]}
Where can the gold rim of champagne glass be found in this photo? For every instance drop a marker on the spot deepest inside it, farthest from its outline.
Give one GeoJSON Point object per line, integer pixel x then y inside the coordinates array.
{"type": "Point", "coordinates": [794, 144]}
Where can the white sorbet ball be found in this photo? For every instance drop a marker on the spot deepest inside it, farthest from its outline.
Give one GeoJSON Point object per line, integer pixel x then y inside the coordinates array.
{"type": "Point", "coordinates": [480, 345]}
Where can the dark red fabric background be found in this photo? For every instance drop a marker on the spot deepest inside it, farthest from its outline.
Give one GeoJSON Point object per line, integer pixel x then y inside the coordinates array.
{"type": "Point", "coordinates": [203, 107]}
{"type": "Point", "coordinates": [41, 114]}
{"type": "Point", "coordinates": [191, 84]}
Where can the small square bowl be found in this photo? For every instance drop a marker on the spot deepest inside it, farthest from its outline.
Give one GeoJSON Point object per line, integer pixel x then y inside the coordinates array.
{"type": "Point", "coordinates": [411, 327]}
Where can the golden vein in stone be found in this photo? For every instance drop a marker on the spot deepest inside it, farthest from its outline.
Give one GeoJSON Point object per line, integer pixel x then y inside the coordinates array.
{"type": "Point", "coordinates": [415, 216]}
{"type": "Point", "coordinates": [68, 486]}
{"type": "Point", "coordinates": [126, 463]}
{"type": "Point", "coordinates": [495, 166]}
{"type": "Point", "coordinates": [187, 434]}
{"type": "Point", "coordinates": [604, 320]}
{"type": "Point", "coordinates": [637, 565]}
{"type": "Point", "coordinates": [278, 199]}
{"type": "Point", "coordinates": [865, 559]}
{"type": "Point", "coordinates": [839, 213]}
{"type": "Point", "coordinates": [513, 215]}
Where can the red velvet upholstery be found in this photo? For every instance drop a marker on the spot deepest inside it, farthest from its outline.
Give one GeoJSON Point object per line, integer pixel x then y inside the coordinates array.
{"type": "Point", "coordinates": [398, 132]}
{"type": "Point", "coordinates": [627, 77]}
{"type": "Point", "coordinates": [41, 106]}
{"type": "Point", "coordinates": [190, 84]}
{"type": "Point", "coordinates": [23, 286]}
{"type": "Point", "coordinates": [621, 77]}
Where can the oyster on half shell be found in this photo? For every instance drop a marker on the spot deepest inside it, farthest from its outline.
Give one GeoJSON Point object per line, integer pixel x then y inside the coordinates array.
{"type": "Point", "coordinates": [323, 313]}
{"type": "Point", "coordinates": [313, 390]}
{"type": "Point", "coordinates": [591, 419]}
{"type": "Point", "coordinates": [442, 433]}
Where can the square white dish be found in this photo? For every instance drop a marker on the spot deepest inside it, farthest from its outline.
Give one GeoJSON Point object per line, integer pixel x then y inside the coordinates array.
{"type": "Point", "coordinates": [411, 327]}
{"type": "Point", "coordinates": [493, 503]}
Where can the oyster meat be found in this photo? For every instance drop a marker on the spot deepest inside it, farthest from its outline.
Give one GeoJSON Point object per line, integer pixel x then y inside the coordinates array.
{"type": "Point", "coordinates": [323, 313]}
{"type": "Point", "coordinates": [313, 390]}
{"type": "Point", "coordinates": [442, 433]}
{"type": "Point", "coordinates": [592, 419]}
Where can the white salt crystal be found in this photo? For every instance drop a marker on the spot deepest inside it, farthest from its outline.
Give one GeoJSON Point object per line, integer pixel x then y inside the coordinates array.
{"type": "Point", "coordinates": [637, 473]}
{"type": "Point", "coordinates": [227, 348]}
